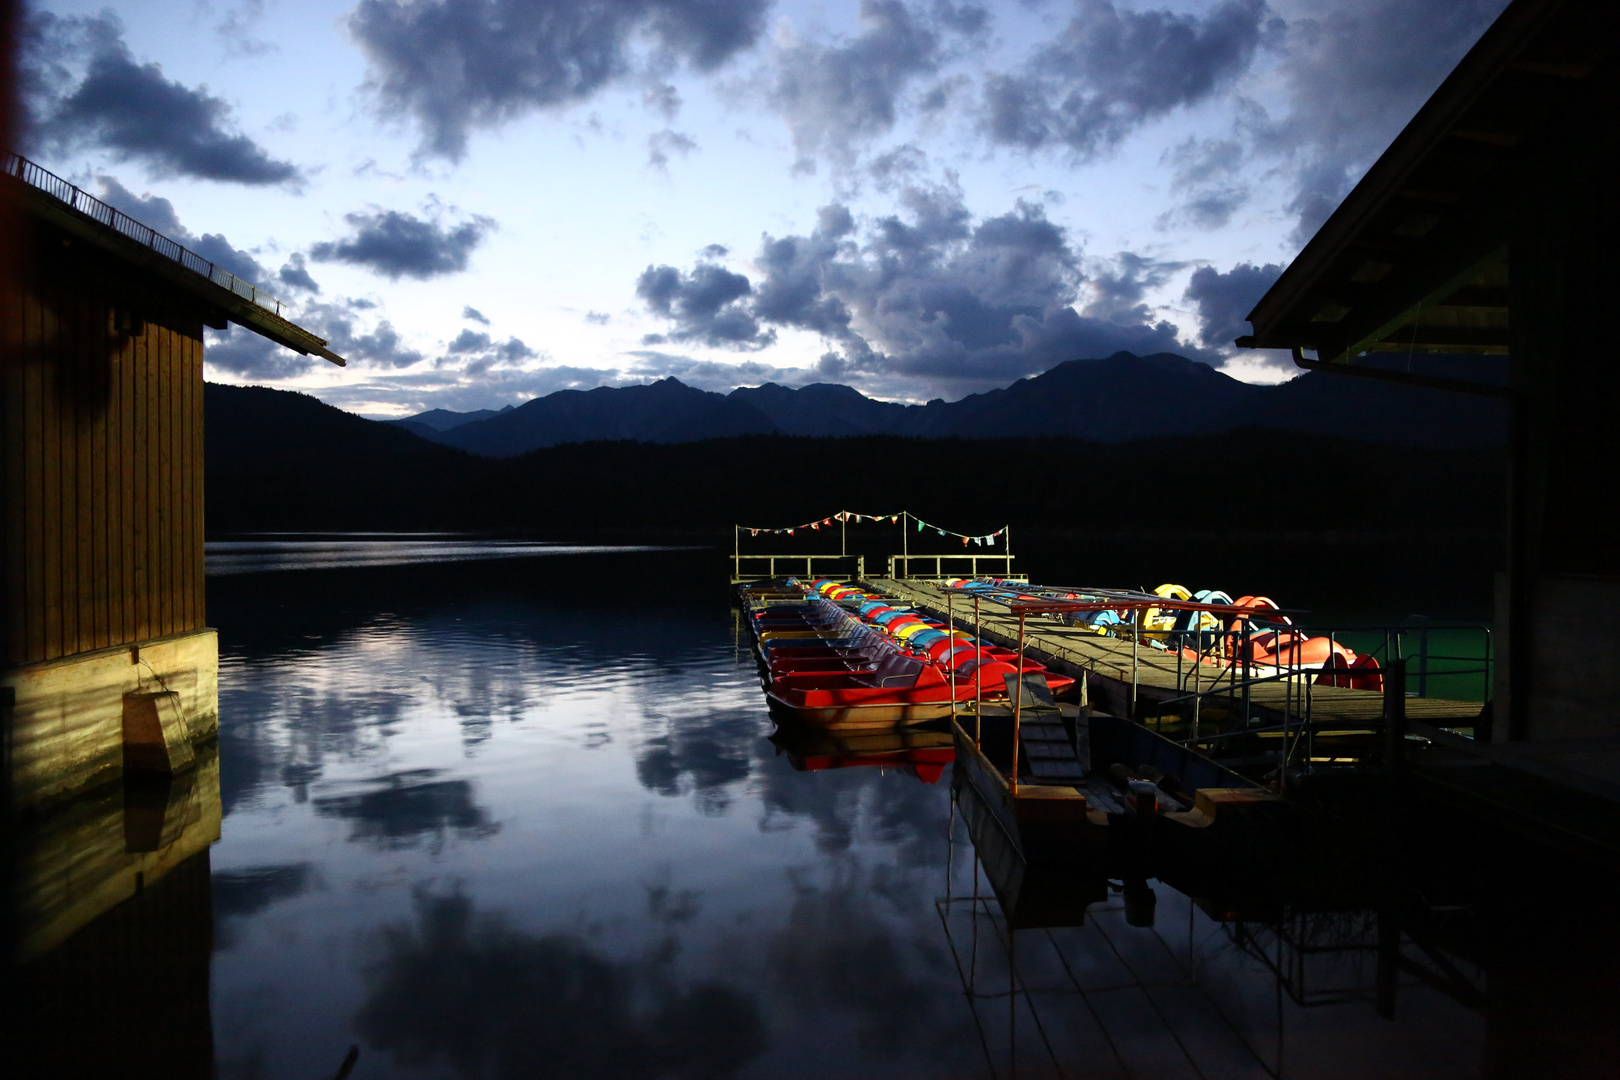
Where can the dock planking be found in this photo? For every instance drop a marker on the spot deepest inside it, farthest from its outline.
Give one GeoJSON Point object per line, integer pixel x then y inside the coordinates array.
{"type": "Point", "coordinates": [1156, 674]}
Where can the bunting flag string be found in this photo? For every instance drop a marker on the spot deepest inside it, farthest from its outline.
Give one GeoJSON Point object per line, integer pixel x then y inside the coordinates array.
{"type": "Point", "coordinates": [842, 516]}
{"type": "Point", "coordinates": [846, 516]}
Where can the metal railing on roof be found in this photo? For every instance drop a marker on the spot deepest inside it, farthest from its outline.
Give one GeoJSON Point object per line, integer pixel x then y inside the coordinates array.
{"type": "Point", "coordinates": [41, 179]}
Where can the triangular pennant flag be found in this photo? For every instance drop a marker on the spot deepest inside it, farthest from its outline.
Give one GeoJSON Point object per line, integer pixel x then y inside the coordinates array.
{"type": "Point", "coordinates": [790, 532]}
{"type": "Point", "coordinates": [964, 541]}
{"type": "Point", "coordinates": [815, 524]}
{"type": "Point", "coordinates": [940, 531]}
{"type": "Point", "coordinates": [753, 532]}
{"type": "Point", "coordinates": [919, 526]}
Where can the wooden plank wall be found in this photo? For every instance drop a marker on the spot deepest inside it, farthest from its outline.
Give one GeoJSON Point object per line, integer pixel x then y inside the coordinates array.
{"type": "Point", "coordinates": [102, 435]}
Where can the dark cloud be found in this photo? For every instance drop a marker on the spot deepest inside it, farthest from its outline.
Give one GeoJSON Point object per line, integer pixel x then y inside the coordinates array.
{"type": "Point", "coordinates": [335, 321]}
{"type": "Point", "coordinates": [836, 97]}
{"type": "Point", "coordinates": [158, 213]}
{"type": "Point", "coordinates": [1225, 300]}
{"type": "Point", "coordinates": [404, 809]}
{"type": "Point", "coordinates": [1118, 286]}
{"type": "Point", "coordinates": [664, 143]}
{"type": "Point", "coordinates": [476, 352]}
{"type": "Point", "coordinates": [1207, 178]}
{"type": "Point", "coordinates": [468, 341]}
{"type": "Point", "coordinates": [1112, 70]}
{"type": "Point", "coordinates": [930, 298]}
{"type": "Point", "coordinates": [246, 354]}
{"type": "Point", "coordinates": [236, 29]}
{"type": "Point", "coordinates": [706, 306]}
{"type": "Point", "coordinates": [474, 315]}
{"type": "Point", "coordinates": [295, 274]}
{"type": "Point", "coordinates": [471, 996]}
{"type": "Point", "coordinates": [454, 66]}
{"type": "Point", "coordinates": [398, 245]}
{"type": "Point", "coordinates": [132, 110]}
{"type": "Point", "coordinates": [1356, 71]}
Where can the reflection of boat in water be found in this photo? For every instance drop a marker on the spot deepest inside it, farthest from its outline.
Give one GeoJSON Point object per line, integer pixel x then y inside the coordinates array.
{"type": "Point", "coordinates": [922, 752]}
{"type": "Point", "coordinates": [1091, 788]}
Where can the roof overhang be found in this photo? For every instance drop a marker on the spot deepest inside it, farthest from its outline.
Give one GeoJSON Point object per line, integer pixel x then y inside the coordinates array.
{"type": "Point", "coordinates": [1416, 257]}
{"type": "Point", "coordinates": [219, 303]}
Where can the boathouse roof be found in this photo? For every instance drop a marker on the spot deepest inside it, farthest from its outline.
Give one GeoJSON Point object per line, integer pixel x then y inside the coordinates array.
{"type": "Point", "coordinates": [224, 296]}
{"type": "Point", "coordinates": [1416, 257]}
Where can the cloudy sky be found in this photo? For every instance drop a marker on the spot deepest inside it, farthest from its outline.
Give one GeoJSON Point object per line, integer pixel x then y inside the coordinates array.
{"type": "Point", "coordinates": [479, 201]}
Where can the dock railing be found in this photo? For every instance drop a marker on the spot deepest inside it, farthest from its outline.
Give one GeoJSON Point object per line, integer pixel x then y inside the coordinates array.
{"type": "Point", "coordinates": [945, 567]}
{"type": "Point", "coordinates": [766, 567]}
{"type": "Point", "coordinates": [1404, 656]}
{"type": "Point", "coordinates": [42, 179]}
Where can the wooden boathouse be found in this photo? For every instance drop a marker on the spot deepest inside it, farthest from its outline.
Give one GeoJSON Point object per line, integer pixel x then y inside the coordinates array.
{"type": "Point", "coordinates": [106, 659]}
{"type": "Point", "coordinates": [1491, 226]}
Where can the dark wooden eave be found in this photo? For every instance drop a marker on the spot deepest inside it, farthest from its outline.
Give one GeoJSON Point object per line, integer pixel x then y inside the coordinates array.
{"type": "Point", "coordinates": [218, 303]}
{"type": "Point", "coordinates": [1416, 257]}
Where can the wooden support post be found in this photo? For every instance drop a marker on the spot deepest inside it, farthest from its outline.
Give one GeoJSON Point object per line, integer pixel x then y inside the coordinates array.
{"type": "Point", "coordinates": [1394, 716]}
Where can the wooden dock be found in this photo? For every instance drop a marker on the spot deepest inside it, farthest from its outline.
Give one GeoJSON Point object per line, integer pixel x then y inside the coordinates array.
{"type": "Point", "coordinates": [1140, 679]}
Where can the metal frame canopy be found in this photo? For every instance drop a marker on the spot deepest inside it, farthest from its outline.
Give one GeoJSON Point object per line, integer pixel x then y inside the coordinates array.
{"type": "Point", "coordinates": [1416, 258]}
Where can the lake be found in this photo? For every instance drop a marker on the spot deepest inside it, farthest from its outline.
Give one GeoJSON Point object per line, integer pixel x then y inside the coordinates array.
{"type": "Point", "coordinates": [518, 812]}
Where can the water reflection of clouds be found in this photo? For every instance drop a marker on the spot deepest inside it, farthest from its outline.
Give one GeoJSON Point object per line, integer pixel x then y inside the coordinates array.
{"type": "Point", "coordinates": [231, 557]}
{"type": "Point", "coordinates": [405, 808]}
{"type": "Point", "coordinates": [841, 952]}
{"type": "Point", "coordinates": [469, 992]}
{"type": "Point", "coordinates": [241, 894]}
{"type": "Point", "coordinates": [889, 807]}
{"type": "Point", "coordinates": [449, 742]}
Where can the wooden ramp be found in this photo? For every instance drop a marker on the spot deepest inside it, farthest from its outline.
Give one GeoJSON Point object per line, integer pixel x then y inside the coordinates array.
{"type": "Point", "coordinates": [1157, 675]}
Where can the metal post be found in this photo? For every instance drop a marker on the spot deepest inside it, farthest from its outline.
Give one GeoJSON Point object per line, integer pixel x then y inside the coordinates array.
{"type": "Point", "coordinates": [736, 551]}
{"type": "Point", "coordinates": [1246, 675]}
{"type": "Point", "coordinates": [1394, 716]}
{"type": "Point", "coordinates": [950, 636]}
{"type": "Point", "coordinates": [843, 528]}
{"type": "Point", "coordinates": [1198, 663]}
{"type": "Point", "coordinates": [1006, 546]}
{"type": "Point", "coordinates": [1423, 662]}
{"type": "Point", "coordinates": [1018, 703]}
{"type": "Point", "coordinates": [1136, 641]}
{"type": "Point", "coordinates": [905, 542]}
{"type": "Point", "coordinates": [978, 680]}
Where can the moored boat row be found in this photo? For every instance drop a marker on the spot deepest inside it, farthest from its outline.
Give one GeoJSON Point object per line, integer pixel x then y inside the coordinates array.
{"type": "Point", "coordinates": [836, 655]}
{"type": "Point", "coordinates": [1207, 627]}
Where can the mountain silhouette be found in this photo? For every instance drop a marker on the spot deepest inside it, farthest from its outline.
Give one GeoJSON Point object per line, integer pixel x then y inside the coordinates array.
{"type": "Point", "coordinates": [1118, 399]}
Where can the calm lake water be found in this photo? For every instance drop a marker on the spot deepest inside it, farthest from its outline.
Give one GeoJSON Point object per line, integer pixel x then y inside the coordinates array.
{"type": "Point", "coordinates": [522, 816]}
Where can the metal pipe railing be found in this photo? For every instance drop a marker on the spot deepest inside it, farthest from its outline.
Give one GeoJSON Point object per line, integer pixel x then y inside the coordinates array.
{"type": "Point", "coordinates": [42, 179]}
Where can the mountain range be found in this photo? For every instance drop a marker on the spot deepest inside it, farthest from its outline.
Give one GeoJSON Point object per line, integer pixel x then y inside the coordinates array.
{"type": "Point", "coordinates": [1117, 399]}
